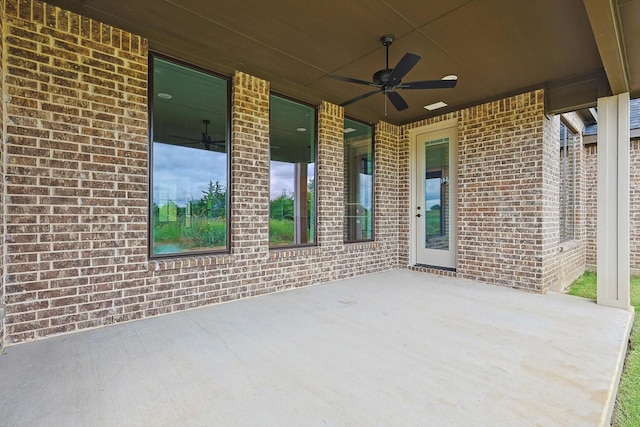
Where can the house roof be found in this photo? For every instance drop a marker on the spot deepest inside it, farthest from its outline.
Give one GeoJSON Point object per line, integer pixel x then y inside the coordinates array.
{"type": "Point", "coordinates": [634, 119]}
{"type": "Point", "coordinates": [634, 112]}
{"type": "Point", "coordinates": [577, 50]}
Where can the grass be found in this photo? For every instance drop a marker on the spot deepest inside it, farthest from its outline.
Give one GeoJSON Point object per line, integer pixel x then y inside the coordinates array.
{"type": "Point", "coordinates": [627, 411]}
{"type": "Point", "coordinates": [584, 286]}
{"type": "Point", "coordinates": [201, 233]}
{"type": "Point", "coordinates": [433, 222]}
{"type": "Point", "coordinates": [281, 232]}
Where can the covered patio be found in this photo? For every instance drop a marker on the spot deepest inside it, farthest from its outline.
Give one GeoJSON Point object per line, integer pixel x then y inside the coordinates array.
{"type": "Point", "coordinates": [393, 348]}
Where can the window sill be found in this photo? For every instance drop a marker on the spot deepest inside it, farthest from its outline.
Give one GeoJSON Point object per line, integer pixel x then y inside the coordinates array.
{"type": "Point", "coordinates": [362, 245]}
{"type": "Point", "coordinates": [569, 245]}
{"type": "Point", "coordinates": [293, 252]}
{"type": "Point", "coordinates": [167, 264]}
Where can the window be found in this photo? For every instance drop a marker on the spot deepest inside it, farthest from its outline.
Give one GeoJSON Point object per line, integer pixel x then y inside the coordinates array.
{"type": "Point", "coordinates": [358, 186]}
{"type": "Point", "coordinates": [189, 160]}
{"type": "Point", "coordinates": [292, 136]}
{"type": "Point", "coordinates": [568, 166]}
{"type": "Point", "coordinates": [437, 205]}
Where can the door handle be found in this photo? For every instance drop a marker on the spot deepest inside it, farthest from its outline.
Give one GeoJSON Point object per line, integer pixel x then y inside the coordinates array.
{"type": "Point", "coordinates": [418, 215]}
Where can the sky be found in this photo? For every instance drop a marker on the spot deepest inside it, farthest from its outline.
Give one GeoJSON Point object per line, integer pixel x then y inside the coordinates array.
{"type": "Point", "coordinates": [183, 173]}
{"type": "Point", "coordinates": [432, 192]}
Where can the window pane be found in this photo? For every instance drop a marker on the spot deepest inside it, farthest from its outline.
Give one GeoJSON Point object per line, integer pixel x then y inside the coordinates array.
{"type": "Point", "coordinates": [436, 197]}
{"type": "Point", "coordinates": [433, 214]}
{"type": "Point", "coordinates": [189, 160]}
{"type": "Point", "coordinates": [358, 157]}
{"type": "Point", "coordinates": [292, 134]}
{"type": "Point", "coordinates": [567, 183]}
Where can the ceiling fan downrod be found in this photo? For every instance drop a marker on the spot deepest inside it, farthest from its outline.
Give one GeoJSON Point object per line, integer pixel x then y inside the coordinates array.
{"type": "Point", "coordinates": [387, 40]}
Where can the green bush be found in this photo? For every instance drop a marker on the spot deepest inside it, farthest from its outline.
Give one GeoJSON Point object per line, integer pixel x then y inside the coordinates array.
{"type": "Point", "coordinates": [281, 232]}
{"type": "Point", "coordinates": [206, 233]}
{"type": "Point", "coordinates": [201, 233]}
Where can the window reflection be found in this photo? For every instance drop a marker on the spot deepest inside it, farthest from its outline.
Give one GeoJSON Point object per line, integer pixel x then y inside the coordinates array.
{"type": "Point", "coordinates": [292, 136]}
{"type": "Point", "coordinates": [568, 167]}
{"type": "Point", "coordinates": [358, 151]}
{"type": "Point", "coordinates": [189, 160]}
{"type": "Point", "coordinates": [436, 197]}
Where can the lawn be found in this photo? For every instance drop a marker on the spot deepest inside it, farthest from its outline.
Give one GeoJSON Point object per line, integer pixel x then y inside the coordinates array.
{"type": "Point", "coordinates": [433, 221]}
{"type": "Point", "coordinates": [627, 411]}
{"type": "Point", "coordinates": [281, 232]}
{"type": "Point", "coordinates": [195, 234]}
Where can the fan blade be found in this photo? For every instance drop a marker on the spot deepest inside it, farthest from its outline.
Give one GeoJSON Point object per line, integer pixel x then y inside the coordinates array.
{"type": "Point", "coordinates": [358, 98]}
{"type": "Point", "coordinates": [352, 80]}
{"type": "Point", "coordinates": [429, 84]}
{"type": "Point", "coordinates": [397, 100]}
{"type": "Point", "coordinates": [408, 61]}
{"type": "Point", "coordinates": [199, 141]}
{"type": "Point", "coordinates": [188, 139]}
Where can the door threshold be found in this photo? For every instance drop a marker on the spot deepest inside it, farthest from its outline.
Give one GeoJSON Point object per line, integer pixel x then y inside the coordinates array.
{"type": "Point", "coordinates": [435, 267]}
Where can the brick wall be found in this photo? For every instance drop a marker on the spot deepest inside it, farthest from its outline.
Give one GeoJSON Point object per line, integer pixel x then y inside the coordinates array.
{"type": "Point", "coordinates": [508, 195]}
{"type": "Point", "coordinates": [500, 190]}
{"type": "Point", "coordinates": [390, 205]}
{"type": "Point", "coordinates": [591, 200]}
{"type": "Point", "coordinates": [2, 122]}
{"type": "Point", "coordinates": [501, 196]}
{"type": "Point", "coordinates": [76, 166]}
{"type": "Point", "coordinates": [591, 185]}
{"type": "Point", "coordinates": [77, 184]}
{"type": "Point", "coordinates": [330, 222]}
{"type": "Point", "coordinates": [549, 198]}
{"type": "Point", "coordinates": [562, 262]}
{"type": "Point", "coordinates": [76, 188]}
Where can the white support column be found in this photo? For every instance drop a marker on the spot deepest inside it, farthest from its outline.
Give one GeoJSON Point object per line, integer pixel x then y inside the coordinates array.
{"type": "Point", "coordinates": [613, 201]}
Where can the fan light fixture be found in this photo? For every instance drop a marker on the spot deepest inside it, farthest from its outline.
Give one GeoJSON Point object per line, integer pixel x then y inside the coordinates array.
{"type": "Point", "coordinates": [435, 105]}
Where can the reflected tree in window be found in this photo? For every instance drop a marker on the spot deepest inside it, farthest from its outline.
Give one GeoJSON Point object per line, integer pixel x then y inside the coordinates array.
{"type": "Point", "coordinates": [188, 160]}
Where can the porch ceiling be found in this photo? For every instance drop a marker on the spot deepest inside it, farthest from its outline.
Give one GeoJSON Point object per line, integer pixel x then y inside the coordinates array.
{"type": "Point", "coordinates": [577, 49]}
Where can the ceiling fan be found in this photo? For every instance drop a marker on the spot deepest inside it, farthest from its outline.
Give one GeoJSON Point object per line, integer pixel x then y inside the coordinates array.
{"type": "Point", "coordinates": [388, 80]}
{"type": "Point", "coordinates": [206, 138]}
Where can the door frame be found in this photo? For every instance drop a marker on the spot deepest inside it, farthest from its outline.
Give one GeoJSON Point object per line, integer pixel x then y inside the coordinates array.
{"type": "Point", "coordinates": [414, 135]}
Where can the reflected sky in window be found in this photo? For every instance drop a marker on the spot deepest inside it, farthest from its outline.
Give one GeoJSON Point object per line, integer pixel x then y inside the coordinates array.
{"type": "Point", "coordinates": [188, 170]}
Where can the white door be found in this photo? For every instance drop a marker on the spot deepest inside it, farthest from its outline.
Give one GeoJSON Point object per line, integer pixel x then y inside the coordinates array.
{"type": "Point", "coordinates": [434, 208]}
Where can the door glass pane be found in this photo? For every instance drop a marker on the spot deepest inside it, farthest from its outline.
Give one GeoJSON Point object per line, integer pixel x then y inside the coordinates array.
{"type": "Point", "coordinates": [436, 194]}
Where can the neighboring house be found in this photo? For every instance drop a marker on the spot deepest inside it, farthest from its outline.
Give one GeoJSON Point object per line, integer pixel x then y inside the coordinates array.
{"type": "Point", "coordinates": [101, 229]}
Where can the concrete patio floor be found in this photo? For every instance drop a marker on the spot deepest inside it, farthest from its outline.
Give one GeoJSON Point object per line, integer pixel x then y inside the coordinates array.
{"type": "Point", "coordinates": [398, 348]}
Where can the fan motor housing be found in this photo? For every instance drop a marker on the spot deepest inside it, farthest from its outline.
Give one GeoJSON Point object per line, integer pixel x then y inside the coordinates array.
{"type": "Point", "coordinates": [382, 77]}
{"type": "Point", "coordinates": [387, 39]}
